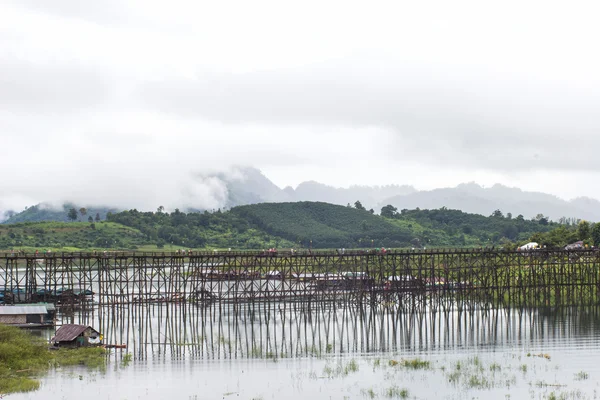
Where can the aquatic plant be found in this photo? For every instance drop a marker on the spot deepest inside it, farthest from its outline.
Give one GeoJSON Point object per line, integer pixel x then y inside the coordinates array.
{"type": "Point", "coordinates": [340, 370]}
{"type": "Point", "coordinates": [479, 382]}
{"type": "Point", "coordinates": [369, 393]}
{"type": "Point", "coordinates": [256, 352]}
{"type": "Point", "coordinates": [495, 367]}
{"type": "Point", "coordinates": [416, 363]}
{"type": "Point", "coordinates": [126, 360]}
{"type": "Point", "coordinates": [523, 368]}
{"type": "Point", "coordinates": [396, 392]}
{"type": "Point", "coordinates": [581, 376]}
{"type": "Point", "coordinates": [352, 366]}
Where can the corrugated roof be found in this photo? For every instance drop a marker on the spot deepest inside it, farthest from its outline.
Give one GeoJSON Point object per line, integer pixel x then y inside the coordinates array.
{"type": "Point", "coordinates": [49, 306]}
{"type": "Point", "coordinates": [22, 310]}
{"type": "Point", "coordinates": [69, 332]}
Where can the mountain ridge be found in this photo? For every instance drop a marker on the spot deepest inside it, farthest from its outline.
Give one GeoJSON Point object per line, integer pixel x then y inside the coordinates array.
{"type": "Point", "coordinates": [248, 185]}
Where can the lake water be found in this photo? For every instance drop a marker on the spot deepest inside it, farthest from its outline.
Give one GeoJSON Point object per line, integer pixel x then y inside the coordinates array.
{"type": "Point", "coordinates": [292, 351]}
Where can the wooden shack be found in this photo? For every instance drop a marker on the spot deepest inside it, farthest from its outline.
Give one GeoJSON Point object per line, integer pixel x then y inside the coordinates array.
{"type": "Point", "coordinates": [28, 315]}
{"type": "Point", "coordinates": [72, 335]}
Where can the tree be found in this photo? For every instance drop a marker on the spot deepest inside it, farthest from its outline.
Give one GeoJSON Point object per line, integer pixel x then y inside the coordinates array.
{"type": "Point", "coordinates": [358, 205]}
{"type": "Point", "coordinates": [97, 217]}
{"type": "Point", "coordinates": [90, 219]}
{"type": "Point", "coordinates": [160, 209]}
{"type": "Point", "coordinates": [83, 211]}
{"type": "Point", "coordinates": [389, 211]}
{"type": "Point", "coordinates": [596, 234]}
{"type": "Point", "coordinates": [497, 214]}
{"type": "Point", "coordinates": [468, 229]}
{"type": "Point", "coordinates": [510, 232]}
{"type": "Point", "coordinates": [583, 230]}
{"type": "Point", "coordinates": [72, 214]}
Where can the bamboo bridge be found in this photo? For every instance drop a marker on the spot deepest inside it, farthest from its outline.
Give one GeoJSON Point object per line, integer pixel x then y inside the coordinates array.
{"type": "Point", "coordinates": [398, 278]}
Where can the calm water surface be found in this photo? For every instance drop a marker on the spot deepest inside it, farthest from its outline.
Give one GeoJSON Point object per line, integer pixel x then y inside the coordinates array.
{"type": "Point", "coordinates": [283, 351]}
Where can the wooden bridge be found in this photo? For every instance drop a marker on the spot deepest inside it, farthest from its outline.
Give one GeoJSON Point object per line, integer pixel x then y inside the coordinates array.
{"type": "Point", "coordinates": [398, 278]}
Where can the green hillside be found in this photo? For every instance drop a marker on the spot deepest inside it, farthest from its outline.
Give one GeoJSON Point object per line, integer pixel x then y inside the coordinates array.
{"type": "Point", "coordinates": [464, 229]}
{"type": "Point", "coordinates": [326, 225]}
{"type": "Point", "coordinates": [71, 236]}
{"type": "Point", "coordinates": [298, 225]}
{"type": "Point", "coordinates": [41, 212]}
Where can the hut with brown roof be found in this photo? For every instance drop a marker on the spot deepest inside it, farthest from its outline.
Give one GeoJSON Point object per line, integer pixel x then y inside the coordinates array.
{"type": "Point", "coordinates": [72, 335]}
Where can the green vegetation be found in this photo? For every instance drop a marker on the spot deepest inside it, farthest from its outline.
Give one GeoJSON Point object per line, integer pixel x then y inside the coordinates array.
{"type": "Point", "coordinates": [581, 376]}
{"type": "Point", "coordinates": [340, 369]}
{"type": "Point", "coordinates": [415, 363]}
{"type": "Point", "coordinates": [41, 212]}
{"type": "Point", "coordinates": [309, 225]}
{"type": "Point", "coordinates": [23, 358]}
{"type": "Point", "coordinates": [325, 225]}
{"type": "Point", "coordinates": [444, 227]}
{"type": "Point", "coordinates": [62, 236]}
{"type": "Point", "coordinates": [395, 392]}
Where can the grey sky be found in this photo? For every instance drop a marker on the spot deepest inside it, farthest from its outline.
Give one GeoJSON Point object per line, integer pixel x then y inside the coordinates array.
{"type": "Point", "coordinates": [125, 102]}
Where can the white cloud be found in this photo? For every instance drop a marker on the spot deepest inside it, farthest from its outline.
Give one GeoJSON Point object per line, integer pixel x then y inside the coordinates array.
{"type": "Point", "coordinates": [130, 102]}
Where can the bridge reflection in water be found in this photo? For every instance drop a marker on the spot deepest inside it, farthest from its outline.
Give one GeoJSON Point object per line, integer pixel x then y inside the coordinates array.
{"type": "Point", "coordinates": [282, 330]}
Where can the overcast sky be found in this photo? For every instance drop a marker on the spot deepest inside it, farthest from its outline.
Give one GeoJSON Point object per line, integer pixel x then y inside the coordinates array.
{"type": "Point", "coordinates": [126, 102]}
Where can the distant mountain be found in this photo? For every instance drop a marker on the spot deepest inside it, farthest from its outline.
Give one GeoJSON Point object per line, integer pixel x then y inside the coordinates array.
{"type": "Point", "coordinates": [473, 198]}
{"type": "Point", "coordinates": [251, 186]}
{"type": "Point", "coordinates": [246, 185]}
{"type": "Point", "coordinates": [46, 212]}
{"type": "Point", "coordinates": [369, 196]}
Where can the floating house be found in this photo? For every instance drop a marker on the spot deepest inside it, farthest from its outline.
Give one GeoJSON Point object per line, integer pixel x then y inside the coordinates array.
{"type": "Point", "coordinates": [28, 315]}
{"type": "Point", "coordinates": [72, 335]}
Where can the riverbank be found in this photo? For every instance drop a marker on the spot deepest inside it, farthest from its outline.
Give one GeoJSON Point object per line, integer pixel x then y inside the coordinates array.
{"type": "Point", "coordinates": [25, 358]}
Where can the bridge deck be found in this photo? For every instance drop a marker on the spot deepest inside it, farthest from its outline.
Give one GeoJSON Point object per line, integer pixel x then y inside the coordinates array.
{"type": "Point", "coordinates": [540, 277]}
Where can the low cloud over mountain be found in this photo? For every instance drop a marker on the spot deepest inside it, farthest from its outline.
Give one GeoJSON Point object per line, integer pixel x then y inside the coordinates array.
{"type": "Point", "coordinates": [246, 185]}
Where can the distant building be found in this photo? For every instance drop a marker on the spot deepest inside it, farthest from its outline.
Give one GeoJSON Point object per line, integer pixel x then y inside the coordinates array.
{"type": "Point", "coordinates": [28, 315]}
{"type": "Point", "coordinates": [575, 246]}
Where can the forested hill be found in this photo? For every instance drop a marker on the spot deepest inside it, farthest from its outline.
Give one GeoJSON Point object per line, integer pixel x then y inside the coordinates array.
{"type": "Point", "coordinates": [45, 212]}
{"type": "Point", "coordinates": [298, 225]}
{"type": "Point", "coordinates": [323, 225]}
{"type": "Point", "coordinates": [326, 225]}
{"type": "Point", "coordinates": [459, 226]}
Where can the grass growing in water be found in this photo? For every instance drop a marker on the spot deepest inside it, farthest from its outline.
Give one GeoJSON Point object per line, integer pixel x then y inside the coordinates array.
{"type": "Point", "coordinates": [523, 368]}
{"type": "Point", "coordinates": [495, 367]}
{"type": "Point", "coordinates": [126, 360]}
{"type": "Point", "coordinates": [581, 376]}
{"type": "Point", "coordinates": [396, 393]}
{"type": "Point", "coordinates": [369, 393]}
{"type": "Point", "coordinates": [415, 363]}
{"type": "Point", "coordinates": [340, 370]}
{"type": "Point", "coordinates": [23, 358]}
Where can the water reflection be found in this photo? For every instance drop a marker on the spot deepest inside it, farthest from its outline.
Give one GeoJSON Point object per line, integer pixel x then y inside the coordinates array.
{"type": "Point", "coordinates": [283, 330]}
